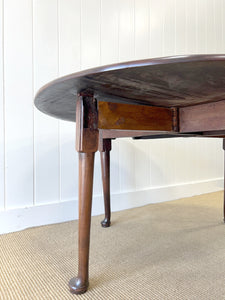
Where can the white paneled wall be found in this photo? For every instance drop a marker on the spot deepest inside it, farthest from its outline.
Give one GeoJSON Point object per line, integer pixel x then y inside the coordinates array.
{"type": "Point", "coordinates": [18, 110]}
{"type": "Point", "coordinates": [69, 28]}
{"type": "Point", "coordinates": [46, 130]}
{"type": "Point", "coordinates": [41, 40]}
{"type": "Point", "coordinates": [2, 136]}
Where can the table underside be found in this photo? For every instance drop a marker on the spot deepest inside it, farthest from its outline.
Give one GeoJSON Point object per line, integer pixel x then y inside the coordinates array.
{"type": "Point", "coordinates": [166, 82]}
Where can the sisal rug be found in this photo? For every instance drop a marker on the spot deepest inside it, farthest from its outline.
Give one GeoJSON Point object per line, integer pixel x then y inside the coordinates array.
{"type": "Point", "coordinates": [172, 250]}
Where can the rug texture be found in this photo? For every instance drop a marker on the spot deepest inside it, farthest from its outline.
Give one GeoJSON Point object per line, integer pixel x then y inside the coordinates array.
{"type": "Point", "coordinates": [172, 250]}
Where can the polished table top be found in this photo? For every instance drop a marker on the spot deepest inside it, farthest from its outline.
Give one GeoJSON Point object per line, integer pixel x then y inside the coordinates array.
{"type": "Point", "coordinates": [177, 81]}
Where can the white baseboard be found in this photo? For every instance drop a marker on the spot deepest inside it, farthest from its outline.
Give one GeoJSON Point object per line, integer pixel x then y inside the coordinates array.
{"type": "Point", "coordinates": [20, 218]}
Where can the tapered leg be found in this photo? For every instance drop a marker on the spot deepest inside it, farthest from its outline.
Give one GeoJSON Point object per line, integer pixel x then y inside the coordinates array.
{"type": "Point", "coordinates": [87, 145]}
{"type": "Point", "coordinates": [224, 185]}
{"type": "Point", "coordinates": [79, 284]}
{"type": "Point", "coordinates": [104, 148]}
{"type": "Point", "coordinates": [105, 163]}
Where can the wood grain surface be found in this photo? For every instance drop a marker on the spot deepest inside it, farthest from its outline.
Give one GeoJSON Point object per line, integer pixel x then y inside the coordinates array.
{"type": "Point", "coordinates": [176, 81]}
{"type": "Point", "coordinates": [203, 117]}
{"type": "Point", "coordinates": [134, 117]}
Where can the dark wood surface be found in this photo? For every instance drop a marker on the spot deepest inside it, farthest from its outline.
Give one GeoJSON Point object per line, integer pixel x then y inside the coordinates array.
{"type": "Point", "coordinates": [105, 148]}
{"type": "Point", "coordinates": [134, 117]}
{"type": "Point", "coordinates": [202, 117]}
{"type": "Point", "coordinates": [87, 124]}
{"type": "Point", "coordinates": [113, 134]}
{"type": "Point", "coordinates": [87, 144]}
{"type": "Point", "coordinates": [167, 82]}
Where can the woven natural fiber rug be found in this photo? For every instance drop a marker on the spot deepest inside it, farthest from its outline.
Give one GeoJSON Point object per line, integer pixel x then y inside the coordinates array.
{"type": "Point", "coordinates": [172, 250]}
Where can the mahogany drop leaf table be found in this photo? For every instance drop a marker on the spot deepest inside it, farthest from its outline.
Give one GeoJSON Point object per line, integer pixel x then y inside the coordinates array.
{"type": "Point", "coordinates": [152, 98]}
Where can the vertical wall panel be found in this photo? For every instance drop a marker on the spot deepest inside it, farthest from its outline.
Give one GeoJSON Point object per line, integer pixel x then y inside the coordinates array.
{"type": "Point", "coordinates": [209, 19]}
{"type": "Point", "coordinates": [127, 165]}
{"type": "Point", "coordinates": [109, 28]}
{"type": "Point", "coordinates": [209, 41]}
{"type": "Point", "coordinates": [18, 102]}
{"type": "Point", "coordinates": [191, 48]}
{"type": "Point", "coordinates": [169, 28]}
{"type": "Point", "coordinates": [218, 171]}
{"type": "Point", "coordinates": [210, 26]}
{"type": "Point", "coordinates": [201, 26]}
{"type": "Point", "coordinates": [126, 30]}
{"type": "Point", "coordinates": [115, 167]}
{"type": "Point", "coordinates": [222, 29]}
{"type": "Point", "coordinates": [215, 160]}
{"type": "Point", "coordinates": [142, 33]}
{"type": "Point", "coordinates": [69, 62]}
{"type": "Point", "coordinates": [126, 52]}
{"type": "Point", "coordinates": [157, 170]}
{"type": "Point", "coordinates": [156, 27]}
{"type": "Point", "coordinates": [157, 23]}
{"type": "Point", "coordinates": [90, 33]}
{"type": "Point", "coordinates": [46, 132]}
{"type": "Point", "coordinates": [181, 163]}
{"type": "Point", "coordinates": [169, 39]}
{"type": "Point", "coordinates": [109, 54]}
{"type": "Point", "coordinates": [141, 158]}
{"type": "Point", "coordinates": [2, 183]}
{"type": "Point", "coordinates": [186, 43]}
{"type": "Point", "coordinates": [216, 167]}
{"type": "Point", "coordinates": [180, 22]}
{"type": "Point", "coordinates": [69, 36]}
{"type": "Point", "coordinates": [218, 23]}
{"type": "Point", "coordinates": [191, 26]}
{"type": "Point", "coordinates": [142, 161]}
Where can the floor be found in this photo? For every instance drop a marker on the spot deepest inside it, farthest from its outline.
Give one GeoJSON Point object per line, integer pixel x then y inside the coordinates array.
{"type": "Point", "coordinates": [171, 250]}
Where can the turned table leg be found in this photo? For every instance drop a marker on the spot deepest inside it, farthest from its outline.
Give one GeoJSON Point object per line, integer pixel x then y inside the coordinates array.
{"type": "Point", "coordinates": [87, 145]}
{"type": "Point", "coordinates": [104, 148]}
{"type": "Point", "coordinates": [79, 284]}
